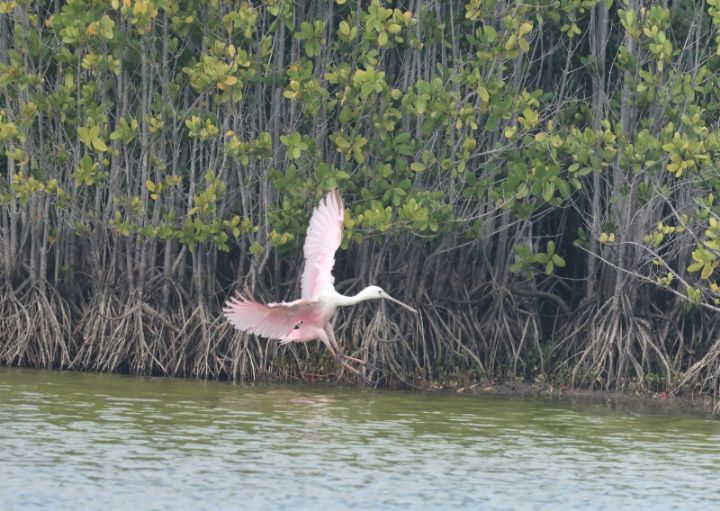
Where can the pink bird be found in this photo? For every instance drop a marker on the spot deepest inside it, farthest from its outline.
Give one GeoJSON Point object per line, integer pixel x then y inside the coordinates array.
{"type": "Point", "coordinates": [309, 317]}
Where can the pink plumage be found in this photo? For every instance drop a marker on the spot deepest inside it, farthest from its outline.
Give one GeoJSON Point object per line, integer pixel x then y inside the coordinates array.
{"type": "Point", "coordinates": [324, 236]}
{"type": "Point", "coordinates": [273, 320]}
{"type": "Point", "coordinates": [278, 320]}
{"type": "Point", "coordinates": [309, 317]}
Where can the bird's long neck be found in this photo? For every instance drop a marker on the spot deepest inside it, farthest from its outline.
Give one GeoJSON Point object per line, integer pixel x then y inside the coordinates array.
{"type": "Point", "coordinates": [342, 300]}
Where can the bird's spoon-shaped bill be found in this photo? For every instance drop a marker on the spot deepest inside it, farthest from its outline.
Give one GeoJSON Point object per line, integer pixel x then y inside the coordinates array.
{"type": "Point", "coordinates": [388, 297]}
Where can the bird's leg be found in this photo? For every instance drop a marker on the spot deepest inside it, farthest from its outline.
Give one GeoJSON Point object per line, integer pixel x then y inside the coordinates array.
{"type": "Point", "coordinates": [331, 337]}
{"type": "Point", "coordinates": [353, 370]}
{"type": "Point", "coordinates": [329, 340]}
{"type": "Point", "coordinates": [339, 357]}
{"type": "Point", "coordinates": [353, 359]}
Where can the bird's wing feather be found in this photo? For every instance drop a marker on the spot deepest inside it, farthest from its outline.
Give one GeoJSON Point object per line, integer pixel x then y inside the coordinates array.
{"type": "Point", "coordinates": [273, 320]}
{"type": "Point", "coordinates": [324, 236]}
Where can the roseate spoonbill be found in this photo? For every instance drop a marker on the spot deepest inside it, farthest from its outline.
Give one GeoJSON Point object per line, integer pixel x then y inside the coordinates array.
{"type": "Point", "coordinates": [309, 317]}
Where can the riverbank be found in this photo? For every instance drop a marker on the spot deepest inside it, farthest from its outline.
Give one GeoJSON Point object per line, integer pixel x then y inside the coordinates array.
{"type": "Point", "coordinates": [632, 400]}
{"type": "Point", "coordinates": [627, 400]}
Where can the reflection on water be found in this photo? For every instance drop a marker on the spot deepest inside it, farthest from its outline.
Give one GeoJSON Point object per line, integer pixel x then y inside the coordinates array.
{"type": "Point", "coordinates": [71, 440]}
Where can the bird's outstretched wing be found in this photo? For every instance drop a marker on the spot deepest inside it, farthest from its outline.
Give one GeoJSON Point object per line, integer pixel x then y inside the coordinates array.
{"type": "Point", "coordinates": [273, 320]}
{"type": "Point", "coordinates": [324, 235]}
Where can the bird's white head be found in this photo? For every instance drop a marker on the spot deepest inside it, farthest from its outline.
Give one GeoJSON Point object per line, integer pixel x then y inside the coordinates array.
{"type": "Point", "coordinates": [376, 293]}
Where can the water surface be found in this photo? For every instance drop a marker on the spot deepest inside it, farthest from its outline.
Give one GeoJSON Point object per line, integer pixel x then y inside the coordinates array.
{"type": "Point", "coordinates": [87, 441]}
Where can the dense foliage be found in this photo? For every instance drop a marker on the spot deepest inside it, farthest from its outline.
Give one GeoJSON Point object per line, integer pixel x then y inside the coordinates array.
{"type": "Point", "coordinates": [539, 178]}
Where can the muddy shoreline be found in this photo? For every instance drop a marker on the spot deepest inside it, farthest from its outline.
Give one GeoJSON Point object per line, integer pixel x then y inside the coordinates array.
{"type": "Point", "coordinates": [626, 400]}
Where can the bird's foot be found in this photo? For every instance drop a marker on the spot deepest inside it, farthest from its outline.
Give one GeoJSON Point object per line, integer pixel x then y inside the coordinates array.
{"type": "Point", "coordinates": [367, 381]}
{"type": "Point", "coordinates": [352, 359]}
{"type": "Point", "coordinates": [341, 359]}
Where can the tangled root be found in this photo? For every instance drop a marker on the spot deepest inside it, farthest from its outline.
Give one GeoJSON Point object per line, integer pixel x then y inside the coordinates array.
{"type": "Point", "coordinates": [36, 327]}
{"type": "Point", "coordinates": [611, 346]}
{"type": "Point", "coordinates": [126, 336]}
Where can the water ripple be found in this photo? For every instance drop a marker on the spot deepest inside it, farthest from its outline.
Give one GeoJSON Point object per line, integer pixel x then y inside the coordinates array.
{"type": "Point", "coordinates": [73, 440]}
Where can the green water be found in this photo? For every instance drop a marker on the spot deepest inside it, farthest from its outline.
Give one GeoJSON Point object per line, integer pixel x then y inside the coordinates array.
{"type": "Point", "coordinates": [85, 441]}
